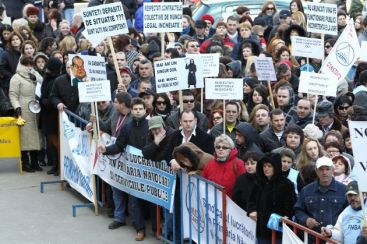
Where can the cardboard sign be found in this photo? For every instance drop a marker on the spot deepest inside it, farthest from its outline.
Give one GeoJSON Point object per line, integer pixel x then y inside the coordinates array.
{"type": "Point", "coordinates": [162, 17]}
{"type": "Point", "coordinates": [265, 69]}
{"type": "Point", "coordinates": [95, 91]}
{"type": "Point", "coordinates": [9, 138]}
{"type": "Point", "coordinates": [87, 68]}
{"type": "Point", "coordinates": [209, 63]}
{"type": "Point", "coordinates": [216, 88]}
{"type": "Point", "coordinates": [358, 135]}
{"type": "Point", "coordinates": [307, 47]}
{"type": "Point", "coordinates": [103, 21]}
{"type": "Point", "coordinates": [318, 84]}
{"type": "Point", "coordinates": [322, 18]}
{"type": "Point", "coordinates": [343, 55]}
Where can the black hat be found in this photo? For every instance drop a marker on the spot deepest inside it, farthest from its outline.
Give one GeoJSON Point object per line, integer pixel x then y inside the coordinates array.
{"type": "Point", "coordinates": [147, 92]}
{"type": "Point", "coordinates": [284, 13]}
{"type": "Point", "coordinates": [200, 24]}
{"type": "Point", "coordinates": [352, 188]}
{"type": "Point", "coordinates": [324, 108]}
{"type": "Point", "coordinates": [54, 65]}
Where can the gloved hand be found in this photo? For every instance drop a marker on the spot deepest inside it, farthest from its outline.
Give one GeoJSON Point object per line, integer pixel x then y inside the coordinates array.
{"type": "Point", "coordinates": [18, 112]}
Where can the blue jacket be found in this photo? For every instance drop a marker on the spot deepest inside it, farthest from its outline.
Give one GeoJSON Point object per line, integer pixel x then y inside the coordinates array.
{"type": "Point", "coordinates": [324, 207]}
{"type": "Point", "coordinates": [139, 16]}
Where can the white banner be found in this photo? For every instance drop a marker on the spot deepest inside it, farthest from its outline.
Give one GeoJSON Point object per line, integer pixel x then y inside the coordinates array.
{"type": "Point", "coordinates": [318, 84]}
{"type": "Point", "coordinates": [208, 63]}
{"type": "Point", "coordinates": [76, 166]}
{"type": "Point", "coordinates": [95, 91]}
{"type": "Point", "coordinates": [103, 21]}
{"type": "Point", "coordinates": [289, 236]}
{"type": "Point", "coordinates": [321, 18]}
{"type": "Point", "coordinates": [224, 88]}
{"type": "Point", "coordinates": [364, 54]}
{"type": "Point", "coordinates": [265, 69]}
{"type": "Point", "coordinates": [358, 135]}
{"type": "Point", "coordinates": [343, 55]}
{"type": "Point", "coordinates": [143, 178]}
{"type": "Point", "coordinates": [162, 17]}
{"type": "Point", "coordinates": [198, 205]}
{"type": "Point", "coordinates": [307, 47]}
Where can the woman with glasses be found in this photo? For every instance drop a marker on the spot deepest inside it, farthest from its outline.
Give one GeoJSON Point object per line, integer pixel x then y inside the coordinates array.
{"type": "Point", "coordinates": [268, 11]}
{"type": "Point", "coordinates": [341, 105]}
{"type": "Point", "coordinates": [329, 43]}
{"type": "Point", "coordinates": [161, 106]}
{"type": "Point", "coordinates": [225, 167]}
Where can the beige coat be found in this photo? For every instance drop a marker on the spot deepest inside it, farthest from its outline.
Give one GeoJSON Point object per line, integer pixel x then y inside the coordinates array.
{"type": "Point", "coordinates": [21, 92]}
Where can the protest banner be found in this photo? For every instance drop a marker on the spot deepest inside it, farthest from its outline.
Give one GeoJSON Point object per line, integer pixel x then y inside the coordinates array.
{"type": "Point", "coordinates": [202, 205]}
{"type": "Point", "coordinates": [358, 136]}
{"type": "Point", "coordinates": [177, 74]}
{"type": "Point", "coordinates": [307, 47]}
{"type": "Point", "coordinates": [104, 20]}
{"type": "Point", "coordinates": [162, 17]}
{"type": "Point", "coordinates": [321, 18]}
{"type": "Point", "coordinates": [94, 91]}
{"type": "Point", "coordinates": [223, 88]}
{"type": "Point", "coordinates": [9, 138]}
{"type": "Point", "coordinates": [75, 163]}
{"type": "Point", "coordinates": [343, 55]}
{"type": "Point", "coordinates": [143, 178]}
{"type": "Point", "coordinates": [317, 84]}
{"type": "Point", "coordinates": [289, 236]}
{"type": "Point", "coordinates": [364, 54]}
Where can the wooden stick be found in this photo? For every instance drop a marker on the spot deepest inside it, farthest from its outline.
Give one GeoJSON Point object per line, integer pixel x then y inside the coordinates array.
{"type": "Point", "coordinates": [224, 116]}
{"type": "Point", "coordinates": [96, 138]}
{"type": "Point", "coordinates": [314, 110]}
{"type": "Point", "coordinates": [363, 207]}
{"type": "Point", "coordinates": [201, 100]}
{"type": "Point", "coordinates": [180, 101]}
{"type": "Point", "coordinates": [271, 94]}
{"type": "Point", "coordinates": [115, 64]}
{"type": "Point", "coordinates": [162, 44]}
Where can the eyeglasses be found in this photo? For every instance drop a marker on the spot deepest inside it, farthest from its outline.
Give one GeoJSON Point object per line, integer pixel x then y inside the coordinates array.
{"type": "Point", "coordinates": [184, 166]}
{"type": "Point", "coordinates": [327, 46]}
{"type": "Point", "coordinates": [222, 147]}
{"type": "Point", "coordinates": [161, 103]}
{"type": "Point", "coordinates": [188, 101]}
{"type": "Point", "coordinates": [343, 108]}
{"type": "Point", "coordinates": [270, 8]}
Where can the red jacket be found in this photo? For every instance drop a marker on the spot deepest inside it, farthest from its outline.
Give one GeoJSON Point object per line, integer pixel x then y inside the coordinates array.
{"type": "Point", "coordinates": [225, 174]}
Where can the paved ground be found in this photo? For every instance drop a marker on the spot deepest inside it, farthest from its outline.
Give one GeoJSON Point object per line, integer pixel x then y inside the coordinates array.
{"type": "Point", "coordinates": [27, 216]}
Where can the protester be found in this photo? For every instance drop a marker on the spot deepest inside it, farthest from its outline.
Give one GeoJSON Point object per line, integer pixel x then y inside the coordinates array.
{"type": "Point", "coordinates": [273, 137]}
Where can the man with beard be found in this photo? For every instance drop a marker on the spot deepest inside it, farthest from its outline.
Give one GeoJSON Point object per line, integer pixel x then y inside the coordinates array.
{"type": "Point", "coordinates": [348, 226]}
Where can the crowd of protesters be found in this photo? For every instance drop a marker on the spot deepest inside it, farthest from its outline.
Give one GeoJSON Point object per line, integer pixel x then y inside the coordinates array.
{"type": "Point", "coordinates": [267, 152]}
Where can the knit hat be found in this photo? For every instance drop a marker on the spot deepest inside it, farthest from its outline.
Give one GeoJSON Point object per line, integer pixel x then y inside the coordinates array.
{"type": "Point", "coordinates": [208, 17]}
{"type": "Point", "coordinates": [324, 108]}
{"type": "Point", "coordinates": [31, 10]}
{"type": "Point", "coordinates": [54, 65]}
{"type": "Point", "coordinates": [312, 131]}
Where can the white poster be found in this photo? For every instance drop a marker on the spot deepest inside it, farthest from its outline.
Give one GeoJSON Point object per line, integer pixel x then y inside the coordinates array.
{"type": "Point", "coordinates": [307, 47]}
{"type": "Point", "coordinates": [343, 55]}
{"type": "Point", "coordinates": [205, 207]}
{"type": "Point", "coordinates": [364, 54]}
{"type": "Point", "coordinates": [358, 135]}
{"type": "Point", "coordinates": [162, 17]}
{"type": "Point", "coordinates": [289, 236]}
{"type": "Point", "coordinates": [86, 68]}
{"type": "Point", "coordinates": [177, 74]}
{"type": "Point", "coordinates": [103, 21]}
{"type": "Point", "coordinates": [76, 166]}
{"type": "Point", "coordinates": [321, 18]}
{"type": "Point", "coordinates": [208, 62]}
{"type": "Point", "coordinates": [265, 69]}
{"type": "Point", "coordinates": [224, 88]}
{"type": "Point", "coordinates": [317, 84]}
{"type": "Point", "coordinates": [95, 91]}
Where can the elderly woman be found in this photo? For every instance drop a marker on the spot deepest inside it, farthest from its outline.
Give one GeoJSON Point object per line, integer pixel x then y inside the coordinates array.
{"type": "Point", "coordinates": [225, 167]}
{"type": "Point", "coordinates": [21, 92]}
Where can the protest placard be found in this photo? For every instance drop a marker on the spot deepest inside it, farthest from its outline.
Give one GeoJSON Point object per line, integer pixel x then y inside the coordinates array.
{"type": "Point", "coordinates": [87, 68]}
{"type": "Point", "coordinates": [307, 47]}
{"type": "Point", "coordinates": [9, 138]}
{"type": "Point", "coordinates": [104, 20]}
{"type": "Point", "coordinates": [321, 18]}
{"type": "Point", "coordinates": [265, 69]}
{"type": "Point", "coordinates": [363, 54]}
{"type": "Point", "coordinates": [343, 55]}
{"type": "Point", "coordinates": [317, 84]}
{"type": "Point", "coordinates": [199, 203]}
{"type": "Point", "coordinates": [358, 136]}
{"type": "Point", "coordinates": [162, 17]}
{"type": "Point", "coordinates": [130, 172]}
{"type": "Point", "coordinates": [208, 63]}
{"type": "Point", "coordinates": [223, 88]}
{"type": "Point", "coordinates": [76, 167]}
{"type": "Point", "coordinates": [95, 91]}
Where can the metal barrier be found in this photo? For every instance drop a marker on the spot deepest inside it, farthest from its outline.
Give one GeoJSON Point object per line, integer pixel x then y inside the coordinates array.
{"type": "Point", "coordinates": [173, 229]}
{"type": "Point", "coordinates": [307, 231]}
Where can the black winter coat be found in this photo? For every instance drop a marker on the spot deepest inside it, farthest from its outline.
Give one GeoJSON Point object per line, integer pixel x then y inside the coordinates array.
{"type": "Point", "coordinates": [243, 188]}
{"type": "Point", "coordinates": [161, 151]}
{"type": "Point", "coordinates": [48, 116]}
{"type": "Point", "coordinates": [63, 92]}
{"type": "Point", "coordinates": [8, 66]}
{"type": "Point", "coordinates": [269, 141]}
{"type": "Point", "coordinates": [274, 195]}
